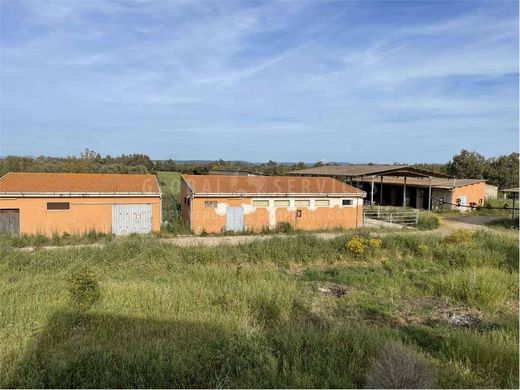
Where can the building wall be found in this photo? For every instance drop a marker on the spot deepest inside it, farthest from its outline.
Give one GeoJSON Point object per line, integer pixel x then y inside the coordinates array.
{"type": "Point", "coordinates": [491, 191]}
{"type": "Point", "coordinates": [437, 195]}
{"type": "Point", "coordinates": [213, 219]}
{"type": "Point", "coordinates": [85, 214]}
{"type": "Point", "coordinates": [473, 193]}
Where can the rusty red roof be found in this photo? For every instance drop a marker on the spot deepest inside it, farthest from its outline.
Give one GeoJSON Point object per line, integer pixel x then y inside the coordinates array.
{"type": "Point", "coordinates": [219, 185]}
{"type": "Point", "coordinates": [78, 183]}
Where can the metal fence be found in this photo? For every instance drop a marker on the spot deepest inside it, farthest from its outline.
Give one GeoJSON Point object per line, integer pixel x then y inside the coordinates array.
{"type": "Point", "coordinates": [398, 215]}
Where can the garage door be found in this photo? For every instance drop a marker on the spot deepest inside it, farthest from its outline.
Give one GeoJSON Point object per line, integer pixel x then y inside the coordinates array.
{"type": "Point", "coordinates": [131, 218]}
{"type": "Point", "coordinates": [10, 222]}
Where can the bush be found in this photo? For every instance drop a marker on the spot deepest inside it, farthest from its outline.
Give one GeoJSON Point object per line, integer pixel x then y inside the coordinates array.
{"type": "Point", "coordinates": [397, 367]}
{"type": "Point", "coordinates": [83, 288]}
{"type": "Point", "coordinates": [428, 221]}
{"type": "Point", "coordinates": [459, 236]}
{"type": "Point", "coordinates": [358, 245]}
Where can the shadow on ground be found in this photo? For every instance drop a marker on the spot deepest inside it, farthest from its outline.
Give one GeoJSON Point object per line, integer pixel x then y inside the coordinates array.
{"type": "Point", "coordinates": [82, 350]}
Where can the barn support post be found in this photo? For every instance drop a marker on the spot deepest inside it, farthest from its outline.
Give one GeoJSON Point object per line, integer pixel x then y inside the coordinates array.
{"type": "Point", "coordinates": [404, 192]}
{"type": "Point", "coordinates": [372, 192]}
{"type": "Point", "coordinates": [430, 193]}
{"type": "Point", "coordinates": [381, 191]}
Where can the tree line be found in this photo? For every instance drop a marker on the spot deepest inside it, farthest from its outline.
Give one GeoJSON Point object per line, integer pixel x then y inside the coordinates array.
{"type": "Point", "coordinates": [501, 171]}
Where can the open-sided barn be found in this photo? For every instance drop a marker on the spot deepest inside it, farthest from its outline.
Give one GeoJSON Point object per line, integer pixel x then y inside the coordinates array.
{"type": "Point", "coordinates": [57, 203]}
{"type": "Point", "coordinates": [215, 203]}
{"type": "Point", "coordinates": [401, 185]}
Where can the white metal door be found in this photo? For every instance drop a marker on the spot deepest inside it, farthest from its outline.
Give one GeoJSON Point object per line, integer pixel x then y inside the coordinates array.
{"type": "Point", "coordinates": [234, 219]}
{"type": "Point", "coordinates": [131, 218]}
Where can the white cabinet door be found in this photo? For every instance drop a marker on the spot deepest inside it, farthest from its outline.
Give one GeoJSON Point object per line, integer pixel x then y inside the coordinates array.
{"type": "Point", "coordinates": [131, 218]}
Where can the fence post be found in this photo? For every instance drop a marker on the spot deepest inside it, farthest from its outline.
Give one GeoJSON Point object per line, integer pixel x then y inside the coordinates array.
{"type": "Point", "coordinates": [416, 217]}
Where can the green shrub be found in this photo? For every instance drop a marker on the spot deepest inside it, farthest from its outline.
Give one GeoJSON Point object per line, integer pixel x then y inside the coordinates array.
{"type": "Point", "coordinates": [483, 287]}
{"type": "Point", "coordinates": [398, 367]}
{"type": "Point", "coordinates": [358, 245]}
{"type": "Point", "coordinates": [460, 236]}
{"type": "Point", "coordinates": [83, 288]}
{"type": "Point", "coordinates": [428, 221]}
{"type": "Point", "coordinates": [422, 249]}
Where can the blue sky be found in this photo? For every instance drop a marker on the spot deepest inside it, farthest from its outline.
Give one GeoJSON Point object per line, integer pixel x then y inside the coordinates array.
{"type": "Point", "coordinates": [411, 81]}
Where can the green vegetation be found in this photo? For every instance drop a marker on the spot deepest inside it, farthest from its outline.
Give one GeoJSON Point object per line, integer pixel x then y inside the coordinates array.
{"type": "Point", "coordinates": [506, 223]}
{"type": "Point", "coordinates": [83, 287]}
{"type": "Point", "coordinates": [284, 312]}
{"type": "Point", "coordinates": [170, 183]}
{"type": "Point", "coordinates": [501, 171]}
{"type": "Point", "coordinates": [428, 221]}
{"type": "Point", "coordinates": [40, 240]}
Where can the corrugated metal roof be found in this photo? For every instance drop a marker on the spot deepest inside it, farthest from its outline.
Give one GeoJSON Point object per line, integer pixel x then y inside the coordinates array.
{"type": "Point", "coordinates": [109, 183]}
{"type": "Point", "coordinates": [275, 185]}
{"type": "Point", "coordinates": [367, 170]}
{"type": "Point", "coordinates": [423, 182]}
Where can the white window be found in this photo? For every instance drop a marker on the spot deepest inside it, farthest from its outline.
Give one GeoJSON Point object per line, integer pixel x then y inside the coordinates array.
{"type": "Point", "coordinates": [322, 202]}
{"type": "Point", "coordinates": [260, 203]}
{"type": "Point", "coordinates": [282, 203]}
{"type": "Point", "coordinates": [302, 202]}
{"type": "Point", "coordinates": [347, 202]}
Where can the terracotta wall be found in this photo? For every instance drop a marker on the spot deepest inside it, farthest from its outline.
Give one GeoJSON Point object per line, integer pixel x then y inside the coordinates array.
{"type": "Point", "coordinates": [213, 220]}
{"type": "Point", "coordinates": [85, 214]}
{"type": "Point", "coordinates": [474, 193]}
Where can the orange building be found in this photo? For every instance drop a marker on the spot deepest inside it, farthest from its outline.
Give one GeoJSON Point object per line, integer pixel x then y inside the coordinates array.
{"type": "Point", "coordinates": [214, 203]}
{"type": "Point", "coordinates": [49, 203]}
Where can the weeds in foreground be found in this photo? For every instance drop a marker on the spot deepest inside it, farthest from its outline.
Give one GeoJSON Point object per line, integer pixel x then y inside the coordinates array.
{"type": "Point", "coordinates": [255, 315]}
{"type": "Point", "coordinates": [483, 287]}
{"type": "Point", "coordinates": [83, 287]}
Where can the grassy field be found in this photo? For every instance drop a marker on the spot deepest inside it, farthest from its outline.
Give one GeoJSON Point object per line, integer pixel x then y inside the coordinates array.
{"type": "Point", "coordinates": [295, 312]}
{"type": "Point", "coordinates": [170, 182]}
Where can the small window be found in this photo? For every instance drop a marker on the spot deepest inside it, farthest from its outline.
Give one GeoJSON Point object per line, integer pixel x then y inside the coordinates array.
{"type": "Point", "coordinates": [347, 202]}
{"type": "Point", "coordinates": [282, 203]}
{"type": "Point", "coordinates": [260, 203]}
{"type": "Point", "coordinates": [302, 202]}
{"type": "Point", "coordinates": [212, 204]}
{"type": "Point", "coordinates": [58, 206]}
{"type": "Point", "coordinates": [322, 202]}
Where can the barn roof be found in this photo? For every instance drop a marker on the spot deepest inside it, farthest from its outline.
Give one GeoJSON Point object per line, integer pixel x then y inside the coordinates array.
{"type": "Point", "coordinates": [424, 182]}
{"type": "Point", "coordinates": [368, 170]}
{"type": "Point", "coordinates": [25, 183]}
{"type": "Point", "coordinates": [215, 185]}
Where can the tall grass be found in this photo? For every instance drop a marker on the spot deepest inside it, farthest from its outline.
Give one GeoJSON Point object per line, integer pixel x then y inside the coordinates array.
{"type": "Point", "coordinates": [482, 287]}
{"type": "Point", "coordinates": [253, 315]}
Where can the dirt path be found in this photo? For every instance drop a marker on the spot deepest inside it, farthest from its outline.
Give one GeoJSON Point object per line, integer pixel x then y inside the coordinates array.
{"type": "Point", "coordinates": [448, 225]}
{"type": "Point", "coordinates": [236, 240]}
{"type": "Point", "coordinates": [186, 241]}
{"type": "Point", "coordinates": [471, 222]}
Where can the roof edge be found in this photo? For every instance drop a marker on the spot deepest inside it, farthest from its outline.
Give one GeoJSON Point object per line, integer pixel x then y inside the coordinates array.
{"type": "Point", "coordinates": [279, 194]}
{"type": "Point", "coordinates": [79, 194]}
